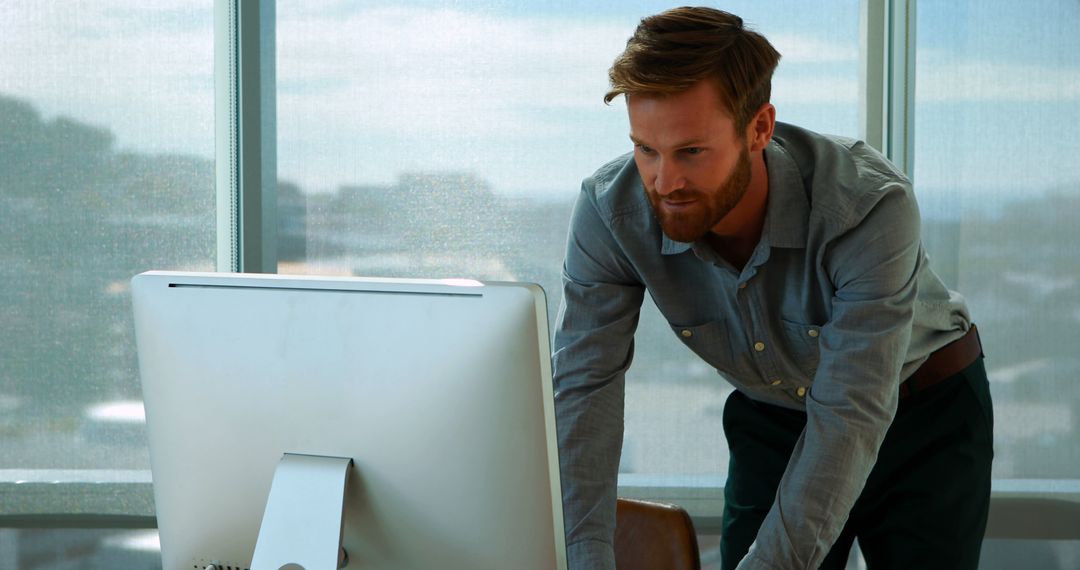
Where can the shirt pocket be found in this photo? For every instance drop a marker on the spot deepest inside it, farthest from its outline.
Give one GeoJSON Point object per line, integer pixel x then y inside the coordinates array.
{"type": "Point", "coordinates": [801, 340]}
{"type": "Point", "coordinates": [709, 341]}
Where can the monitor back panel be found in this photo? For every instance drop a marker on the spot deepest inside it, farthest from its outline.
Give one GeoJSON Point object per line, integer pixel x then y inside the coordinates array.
{"type": "Point", "coordinates": [440, 395]}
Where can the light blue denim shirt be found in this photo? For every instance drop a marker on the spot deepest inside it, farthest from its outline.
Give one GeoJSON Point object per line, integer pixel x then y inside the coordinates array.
{"type": "Point", "coordinates": [835, 307]}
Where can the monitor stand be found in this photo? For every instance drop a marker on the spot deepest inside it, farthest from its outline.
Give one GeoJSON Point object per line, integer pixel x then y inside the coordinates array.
{"type": "Point", "coordinates": [302, 524]}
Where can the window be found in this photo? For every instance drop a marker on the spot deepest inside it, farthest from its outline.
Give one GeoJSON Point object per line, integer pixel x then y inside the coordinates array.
{"type": "Point", "coordinates": [997, 88]}
{"type": "Point", "coordinates": [441, 139]}
{"type": "Point", "coordinates": [106, 150]}
{"type": "Point", "coordinates": [107, 146]}
{"type": "Point", "coordinates": [999, 188]}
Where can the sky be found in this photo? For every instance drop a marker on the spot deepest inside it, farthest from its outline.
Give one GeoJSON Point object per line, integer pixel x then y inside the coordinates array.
{"type": "Point", "coordinates": [512, 90]}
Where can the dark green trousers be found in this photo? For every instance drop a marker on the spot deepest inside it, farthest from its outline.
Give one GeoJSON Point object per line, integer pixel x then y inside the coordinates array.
{"type": "Point", "coordinates": [926, 501]}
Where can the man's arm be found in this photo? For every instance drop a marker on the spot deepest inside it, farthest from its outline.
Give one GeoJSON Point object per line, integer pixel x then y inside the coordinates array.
{"type": "Point", "coordinates": [593, 348]}
{"type": "Point", "coordinates": [852, 402]}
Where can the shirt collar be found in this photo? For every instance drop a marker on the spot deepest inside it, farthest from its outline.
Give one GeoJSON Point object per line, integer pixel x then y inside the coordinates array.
{"type": "Point", "coordinates": [669, 246]}
{"type": "Point", "coordinates": [788, 214]}
{"type": "Point", "coordinates": [788, 210]}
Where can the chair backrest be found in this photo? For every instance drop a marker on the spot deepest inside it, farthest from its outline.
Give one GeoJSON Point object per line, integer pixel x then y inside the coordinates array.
{"type": "Point", "coordinates": [654, 536]}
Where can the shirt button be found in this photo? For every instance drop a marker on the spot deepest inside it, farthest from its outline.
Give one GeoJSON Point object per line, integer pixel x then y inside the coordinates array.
{"type": "Point", "coordinates": [776, 382]}
{"type": "Point", "coordinates": [686, 333]}
{"type": "Point", "coordinates": [801, 391]}
{"type": "Point", "coordinates": [742, 285]}
{"type": "Point", "coordinates": [813, 333]}
{"type": "Point", "coordinates": [759, 346]}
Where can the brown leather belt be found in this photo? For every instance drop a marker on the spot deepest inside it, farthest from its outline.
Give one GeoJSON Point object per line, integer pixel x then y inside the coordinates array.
{"type": "Point", "coordinates": [943, 363]}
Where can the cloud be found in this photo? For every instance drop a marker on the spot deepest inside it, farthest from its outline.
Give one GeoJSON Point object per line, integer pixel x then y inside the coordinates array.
{"type": "Point", "coordinates": [143, 70]}
{"type": "Point", "coordinates": [945, 80]}
{"type": "Point", "coordinates": [406, 69]}
{"type": "Point", "coordinates": [797, 48]}
{"type": "Point", "coordinates": [829, 89]}
{"type": "Point", "coordinates": [146, 70]}
{"type": "Point", "coordinates": [506, 94]}
{"type": "Point", "coordinates": [400, 70]}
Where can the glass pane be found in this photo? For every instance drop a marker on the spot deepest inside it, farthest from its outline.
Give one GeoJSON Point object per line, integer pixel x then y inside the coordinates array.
{"type": "Point", "coordinates": [997, 90]}
{"type": "Point", "coordinates": [106, 150]}
{"type": "Point", "coordinates": [445, 139]}
{"type": "Point", "coordinates": [67, 549]}
{"type": "Point", "coordinates": [1001, 554]}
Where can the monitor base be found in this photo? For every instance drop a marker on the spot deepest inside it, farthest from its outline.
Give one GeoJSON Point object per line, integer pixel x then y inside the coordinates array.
{"type": "Point", "coordinates": [302, 524]}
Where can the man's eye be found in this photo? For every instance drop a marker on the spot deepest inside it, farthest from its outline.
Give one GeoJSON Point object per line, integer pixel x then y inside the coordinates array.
{"type": "Point", "coordinates": [693, 150]}
{"type": "Point", "coordinates": [644, 149]}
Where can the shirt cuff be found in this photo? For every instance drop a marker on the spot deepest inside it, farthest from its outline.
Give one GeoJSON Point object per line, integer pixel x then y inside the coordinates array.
{"type": "Point", "coordinates": [590, 555]}
{"type": "Point", "coordinates": [754, 562]}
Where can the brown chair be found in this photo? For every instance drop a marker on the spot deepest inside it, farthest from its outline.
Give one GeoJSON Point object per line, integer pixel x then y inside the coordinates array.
{"type": "Point", "coordinates": [654, 536]}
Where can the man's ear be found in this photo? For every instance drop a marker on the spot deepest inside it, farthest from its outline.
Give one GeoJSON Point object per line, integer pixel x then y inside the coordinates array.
{"type": "Point", "coordinates": [759, 130]}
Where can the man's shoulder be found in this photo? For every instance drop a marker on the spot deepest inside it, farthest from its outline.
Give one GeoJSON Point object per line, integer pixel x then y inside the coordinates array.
{"type": "Point", "coordinates": [844, 177]}
{"type": "Point", "coordinates": [616, 188]}
{"type": "Point", "coordinates": [852, 158]}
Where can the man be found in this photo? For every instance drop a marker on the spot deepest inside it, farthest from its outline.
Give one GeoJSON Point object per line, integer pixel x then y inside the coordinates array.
{"type": "Point", "coordinates": [792, 263]}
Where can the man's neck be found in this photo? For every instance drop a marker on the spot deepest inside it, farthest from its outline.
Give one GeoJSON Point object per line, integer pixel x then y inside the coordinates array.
{"type": "Point", "coordinates": [743, 224]}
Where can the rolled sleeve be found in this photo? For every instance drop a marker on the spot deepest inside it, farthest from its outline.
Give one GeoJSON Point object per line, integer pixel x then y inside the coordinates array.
{"type": "Point", "coordinates": [593, 347]}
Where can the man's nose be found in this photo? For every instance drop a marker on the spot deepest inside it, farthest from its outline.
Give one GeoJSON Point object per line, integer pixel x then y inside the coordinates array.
{"type": "Point", "coordinates": [669, 178]}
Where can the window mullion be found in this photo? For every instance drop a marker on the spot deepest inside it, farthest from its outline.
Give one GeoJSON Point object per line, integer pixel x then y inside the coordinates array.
{"type": "Point", "coordinates": [901, 85]}
{"type": "Point", "coordinates": [246, 135]}
{"type": "Point", "coordinates": [887, 78]}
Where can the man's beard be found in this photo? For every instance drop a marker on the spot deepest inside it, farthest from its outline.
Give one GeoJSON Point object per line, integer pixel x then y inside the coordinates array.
{"type": "Point", "coordinates": [709, 208]}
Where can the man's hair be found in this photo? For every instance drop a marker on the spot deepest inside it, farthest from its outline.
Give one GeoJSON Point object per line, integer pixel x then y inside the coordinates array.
{"type": "Point", "coordinates": [673, 50]}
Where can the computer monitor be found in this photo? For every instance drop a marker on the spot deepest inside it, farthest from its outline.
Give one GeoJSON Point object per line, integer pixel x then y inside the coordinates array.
{"type": "Point", "coordinates": [439, 392]}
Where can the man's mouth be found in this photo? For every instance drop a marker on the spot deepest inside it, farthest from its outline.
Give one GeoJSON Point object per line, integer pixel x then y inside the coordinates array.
{"type": "Point", "coordinates": [677, 204]}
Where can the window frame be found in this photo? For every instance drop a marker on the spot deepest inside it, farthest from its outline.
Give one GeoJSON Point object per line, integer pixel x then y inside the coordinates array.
{"type": "Point", "coordinates": [246, 160]}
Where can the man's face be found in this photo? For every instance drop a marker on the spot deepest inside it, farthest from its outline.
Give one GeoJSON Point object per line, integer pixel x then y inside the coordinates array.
{"type": "Point", "coordinates": [693, 163]}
